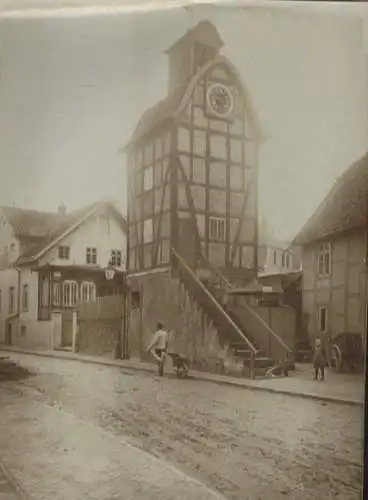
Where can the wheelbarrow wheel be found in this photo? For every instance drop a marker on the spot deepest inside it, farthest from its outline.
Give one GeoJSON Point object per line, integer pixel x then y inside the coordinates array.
{"type": "Point", "coordinates": [182, 371]}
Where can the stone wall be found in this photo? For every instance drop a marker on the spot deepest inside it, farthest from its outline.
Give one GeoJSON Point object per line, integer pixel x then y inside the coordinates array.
{"type": "Point", "coordinates": [164, 298]}
{"type": "Point", "coordinates": [99, 326]}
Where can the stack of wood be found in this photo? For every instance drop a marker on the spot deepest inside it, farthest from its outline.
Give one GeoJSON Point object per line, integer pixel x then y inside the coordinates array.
{"type": "Point", "coordinates": [10, 370]}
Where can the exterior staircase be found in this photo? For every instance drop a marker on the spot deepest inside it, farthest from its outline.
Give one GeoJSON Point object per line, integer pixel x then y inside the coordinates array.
{"type": "Point", "coordinates": [248, 342]}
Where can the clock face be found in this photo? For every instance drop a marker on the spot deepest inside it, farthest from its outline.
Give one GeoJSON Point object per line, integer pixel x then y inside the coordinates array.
{"type": "Point", "coordinates": [220, 99]}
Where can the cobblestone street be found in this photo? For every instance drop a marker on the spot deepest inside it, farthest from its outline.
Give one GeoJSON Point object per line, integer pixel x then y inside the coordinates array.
{"type": "Point", "coordinates": [245, 444]}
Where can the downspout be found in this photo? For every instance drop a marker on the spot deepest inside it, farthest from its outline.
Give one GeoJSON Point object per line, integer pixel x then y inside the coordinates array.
{"type": "Point", "coordinates": [364, 26]}
{"type": "Point", "coordinates": [256, 229]}
{"type": "Point", "coordinates": [17, 314]}
{"type": "Point", "coordinates": [365, 326]}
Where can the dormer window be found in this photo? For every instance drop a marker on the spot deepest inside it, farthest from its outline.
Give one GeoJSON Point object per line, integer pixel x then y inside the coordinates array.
{"type": "Point", "coordinates": [203, 54]}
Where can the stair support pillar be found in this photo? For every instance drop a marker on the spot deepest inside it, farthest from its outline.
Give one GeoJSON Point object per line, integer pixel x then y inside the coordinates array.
{"type": "Point", "coordinates": [252, 373]}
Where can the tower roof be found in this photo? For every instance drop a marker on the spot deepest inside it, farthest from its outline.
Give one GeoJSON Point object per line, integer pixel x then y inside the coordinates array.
{"type": "Point", "coordinates": [174, 103]}
{"type": "Point", "coordinates": [204, 32]}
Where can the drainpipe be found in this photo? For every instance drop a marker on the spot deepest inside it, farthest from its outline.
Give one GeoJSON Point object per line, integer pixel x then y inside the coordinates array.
{"type": "Point", "coordinates": [17, 314]}
{"type": "Point", "coordinates": [365, 339]}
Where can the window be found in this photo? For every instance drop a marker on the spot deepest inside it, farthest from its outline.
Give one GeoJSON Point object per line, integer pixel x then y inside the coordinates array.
{"type": "Point", "coordinates": [217, 228]}
{"type": "Point", "coordinates": [88, 291]}
{"type": "Point", "coordinates": [287, 260]}
{"type": "Point", "coordinates": [135, 299]}
{"type": "Point", "coordinates": [56, 294]}
{"type": "Point", "coordinates": [25, 297]}
{"type": "Point", "coordinates": [0, 301]}
{"type": "Point", "coordinates": [91, 255]}
{"type": "Point", "coordinates": [69, 293]}
{"type": "Point", "coordinates": [148, 179]}
{"type": "Point", "coordinates": [275, 257]}
{"type": "Point", "coordinates": [45, 291]}
{"type": "Point", "coordinates": [324, 259]}
{"type": "Point", "coordinates": [11, 300]}
{"type": "Point", "coordinates": [322, 319]}
{"type": "Point", "coordinates": [148, 231]}
{"type": "Point", "coordinates": [64, 253]}
{"type": "Point", "coordinates": [116, 258]}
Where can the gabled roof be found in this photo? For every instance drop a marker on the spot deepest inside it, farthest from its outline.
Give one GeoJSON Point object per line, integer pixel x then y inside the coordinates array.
{"type": "Point", "coordinates": [174, 104]}
{"type": "Point", "coordinates": [343, 209]}
{"type": "Point", "coordinates": [204, 32]}
{"type": "Point", "coordinates": [30, 223]}
{"type": "Point", "coordinates": [158, 114]}
{"type": "Point", "coordinates": [285, 280]}
{"type": "Point", "coordinates": [58, 227]}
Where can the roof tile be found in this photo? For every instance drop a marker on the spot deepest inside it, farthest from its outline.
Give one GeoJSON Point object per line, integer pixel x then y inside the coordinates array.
{"type": "Point", "coordinates": [344, 208]}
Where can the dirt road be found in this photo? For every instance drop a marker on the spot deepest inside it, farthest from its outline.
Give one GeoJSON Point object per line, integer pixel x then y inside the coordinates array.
{"type": "Point", "coordinates": [245, 444]}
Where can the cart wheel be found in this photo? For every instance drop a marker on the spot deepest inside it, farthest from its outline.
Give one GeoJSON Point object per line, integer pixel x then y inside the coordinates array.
{"type": "Point", "coordinates": [336, 358]}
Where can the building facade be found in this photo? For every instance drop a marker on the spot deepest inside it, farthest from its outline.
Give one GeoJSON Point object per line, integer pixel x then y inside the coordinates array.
{"type": "Point", "coordinates": [193, 204]}
{"type": "Point", "coordinates": [334, 258]}
{"type": "Point", "coordinates": [51, 261]}
{"type": "Point", "coordinates": [193, 164]}
{"type": "Point", "coordinates": [275, 256]}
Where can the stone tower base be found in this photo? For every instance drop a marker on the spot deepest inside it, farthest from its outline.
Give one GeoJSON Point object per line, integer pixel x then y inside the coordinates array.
{"type": "Point", "coordinates": [160, 296]}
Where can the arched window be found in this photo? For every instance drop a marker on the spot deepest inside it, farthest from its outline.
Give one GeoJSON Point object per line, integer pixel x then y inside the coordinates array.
{"type": "Point", "coordinates": [70, 293]}
{"type": "Point", "coordinates": [88, 291]}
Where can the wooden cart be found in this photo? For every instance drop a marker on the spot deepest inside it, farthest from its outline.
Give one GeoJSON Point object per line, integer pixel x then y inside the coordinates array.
{"type": "Point", "coordinates": [180, 364]}
{"type": "Point", "coordinates": [346, 352]}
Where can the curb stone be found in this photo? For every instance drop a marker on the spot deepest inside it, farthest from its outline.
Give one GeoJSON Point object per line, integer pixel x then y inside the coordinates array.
{"type": "Point", "coordinates": [196, 376]}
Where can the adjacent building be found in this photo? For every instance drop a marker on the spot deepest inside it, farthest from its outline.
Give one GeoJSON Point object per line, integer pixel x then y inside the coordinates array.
{"type": "Point", "coordinates": [276, 256]}
{"type": "Point", "coordinates": [334, 257]}
{"type": "Point", "coordinates": [50, 261]}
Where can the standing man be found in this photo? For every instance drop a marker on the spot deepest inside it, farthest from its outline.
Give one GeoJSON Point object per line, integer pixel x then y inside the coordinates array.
{"type": "Point", "coordinates": [319, 359]}
{"type": "Point", "coordinates": [158, 347]}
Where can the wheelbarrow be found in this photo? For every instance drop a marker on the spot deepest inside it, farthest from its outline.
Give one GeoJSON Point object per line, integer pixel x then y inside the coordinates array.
{"type": "Point", "coordinates": [180, 364]}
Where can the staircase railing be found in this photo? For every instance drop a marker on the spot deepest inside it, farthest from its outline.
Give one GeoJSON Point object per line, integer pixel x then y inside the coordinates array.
{"type": "Point", "coordinates": [260, 324]}
{"type": "Point", "coordinates": [190, 280]}
{"type": "Point", "coordinates": [267, 339]}
{"type": "Point", "coordinates": [218, 273]}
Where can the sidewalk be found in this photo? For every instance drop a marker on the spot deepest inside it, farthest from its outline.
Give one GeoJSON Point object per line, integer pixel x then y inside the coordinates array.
{"type": "Point", "coordinates": [337, 388]}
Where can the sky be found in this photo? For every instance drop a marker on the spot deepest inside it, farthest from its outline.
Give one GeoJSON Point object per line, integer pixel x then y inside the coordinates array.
{"type": "Point", "coordinates": [72, 91]}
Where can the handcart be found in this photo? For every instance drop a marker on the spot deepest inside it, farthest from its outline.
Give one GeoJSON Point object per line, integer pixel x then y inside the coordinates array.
{"type": "Point", "coordinates": [180, 363]}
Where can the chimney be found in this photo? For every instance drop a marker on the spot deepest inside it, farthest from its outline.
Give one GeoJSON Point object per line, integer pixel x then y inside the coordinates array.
{"type": "Point", "coordinates": [62, 208]}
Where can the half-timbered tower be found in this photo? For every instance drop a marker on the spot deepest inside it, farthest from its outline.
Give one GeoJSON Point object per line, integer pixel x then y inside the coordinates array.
{"type": "Point", "coordinates": [192, 164]}
{"type": "Point", "coordinates": [192, 209]}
